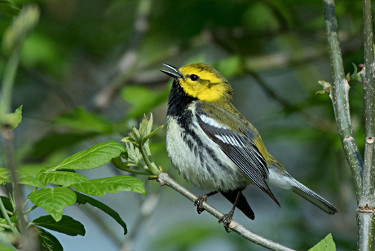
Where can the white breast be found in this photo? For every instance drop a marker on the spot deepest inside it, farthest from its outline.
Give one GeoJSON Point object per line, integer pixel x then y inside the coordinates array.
{"type": "Point", "coordinates": [203, 164]}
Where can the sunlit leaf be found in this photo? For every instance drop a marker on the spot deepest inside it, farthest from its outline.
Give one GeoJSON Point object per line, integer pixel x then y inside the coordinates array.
{"type": "Point", "coordinates": [327, 244]}
{"type": "Point", "coordinates": [12, 119]}
{"type": "Point", "coordinates": [53, 200]}
{"type": "Point", "coordinates": [23, 177]}
{"type": "Point", "coordinates": [62, 178]}
{"type": "Point", "coordinates": [99, 187]}
{"type": "Point", "coordinates": [93, 157]}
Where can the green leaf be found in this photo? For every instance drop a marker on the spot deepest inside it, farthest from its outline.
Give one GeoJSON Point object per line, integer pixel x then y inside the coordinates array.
{"type": "Point", "coordinates": [8, 7]}
{"type": "Point", "coordinates": [93, 157]}
{"type": "Point", "coordinates": [100, 187]}
{"type": "Point", "coordinates": [327, 86]}
{"type": "Point", "coordinates": [327, 244]}
{"type": "Point", "coordinates": [53, 200]}
{"type": "Point", "coordinates": [82, 120]}
{"type": "Point", "coordinates": [142, 99]}
{"type": "Point", "coordinates": [3, 246]}
{"type": "Point", "coordinates": [4, 175]}
{"type": "Point", "coordinates": [67, 225]}
{"type": "Point", "coordinates": [23, 176]}
{"type": "Point", "coordinates": [229, 66]}
{"type": "Point", "coordinates": [48, 241]}
{"type": "Point", "coordinates": [7, 204]}
{"type": "Point", "coordinates": [83, 199]}
{"type": "Point", "coordinates": [62, 178]}
{"type": "Point", "coordinates": [13, 119]}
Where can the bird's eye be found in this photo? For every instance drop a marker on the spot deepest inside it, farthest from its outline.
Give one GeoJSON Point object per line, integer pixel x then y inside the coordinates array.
{"type": "Point", "coordinates": [194, 77]}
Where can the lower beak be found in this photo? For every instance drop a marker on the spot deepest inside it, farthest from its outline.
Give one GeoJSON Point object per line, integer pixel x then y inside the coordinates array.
{"type": "Point", "coordinates": [176, 72]}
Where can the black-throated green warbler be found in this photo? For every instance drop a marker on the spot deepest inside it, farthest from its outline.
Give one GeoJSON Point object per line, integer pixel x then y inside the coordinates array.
{"type": "Point", "coordinates": [214, 147]}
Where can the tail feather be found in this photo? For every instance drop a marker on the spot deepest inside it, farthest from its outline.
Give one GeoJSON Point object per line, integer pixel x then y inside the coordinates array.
{"type": "Point", "coordinates": [242, 203]}
{"type": "Point", "coordinates": [313, 197]}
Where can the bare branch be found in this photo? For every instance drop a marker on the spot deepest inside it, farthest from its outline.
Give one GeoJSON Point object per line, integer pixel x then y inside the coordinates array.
{"type": "Point", "coordinates": [340, 97]}
{"type": "Point", "coordinates": [164, 179]}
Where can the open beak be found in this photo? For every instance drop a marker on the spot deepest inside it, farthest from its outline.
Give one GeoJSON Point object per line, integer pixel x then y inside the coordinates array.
{"type": "Point", "coordinates": [175, 74]}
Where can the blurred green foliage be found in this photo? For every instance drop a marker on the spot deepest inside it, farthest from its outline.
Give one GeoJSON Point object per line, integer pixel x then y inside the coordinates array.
{"type": "Point", "coordinates": [76, 92]}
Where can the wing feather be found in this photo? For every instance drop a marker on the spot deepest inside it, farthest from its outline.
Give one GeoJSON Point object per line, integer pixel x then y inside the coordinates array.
{"type": "Point", "coordinates": [239, 147]}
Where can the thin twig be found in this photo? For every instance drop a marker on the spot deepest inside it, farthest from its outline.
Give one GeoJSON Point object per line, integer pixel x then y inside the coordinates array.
{"type": "Point", "coordinates": [340, 97]}
{"type": "Point", "coordinates": [164, 179]}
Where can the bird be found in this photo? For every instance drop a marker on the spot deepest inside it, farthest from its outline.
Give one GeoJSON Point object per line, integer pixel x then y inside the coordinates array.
{"type": "Point", "coordinates": [215, 148]}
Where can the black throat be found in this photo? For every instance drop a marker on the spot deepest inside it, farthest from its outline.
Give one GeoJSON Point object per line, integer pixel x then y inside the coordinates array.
{"type": "Point", "coordinates": [178, 100]}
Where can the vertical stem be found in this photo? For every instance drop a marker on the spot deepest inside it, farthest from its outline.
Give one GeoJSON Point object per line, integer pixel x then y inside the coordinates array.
{"type": "Point", "coordinates": [7, 86]}
{"type": "Point", "coordinates": [6, 217]}
{"type": "Point", "coordinates": [340, 97]}
{"type": "Point", "coordinates": [368, 183]}
{"type": "Point", "coordinates": [366, 206]}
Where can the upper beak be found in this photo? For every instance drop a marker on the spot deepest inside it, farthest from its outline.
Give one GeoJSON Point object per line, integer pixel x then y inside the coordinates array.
{"type": "Point", "coordinates": [175, 74]}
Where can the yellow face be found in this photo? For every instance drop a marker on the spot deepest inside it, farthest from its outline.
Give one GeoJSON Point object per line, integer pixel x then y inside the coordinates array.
{"type": "Point", "coordinates": [205, 83]}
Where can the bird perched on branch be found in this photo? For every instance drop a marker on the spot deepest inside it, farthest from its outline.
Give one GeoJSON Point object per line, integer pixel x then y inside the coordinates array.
{"type": "Point", "coordinates": [214, 147]}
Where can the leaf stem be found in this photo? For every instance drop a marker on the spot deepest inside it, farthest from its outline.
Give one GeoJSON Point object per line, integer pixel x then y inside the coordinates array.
{"type": "Point", "coordinates": [151, 165]}
{"type": "Point", "coordinates": [7, 85]}
{"type": "Point", "coordinates": [117, 162]}
{"type": "Point", "coordinates": [6, 217]}
{"type": "Point", "coordinates": [30, 209]}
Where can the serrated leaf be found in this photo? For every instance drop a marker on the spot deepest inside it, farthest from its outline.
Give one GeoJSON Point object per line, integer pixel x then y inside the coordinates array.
{"type": "Point", "coordinates": [93, 157]}
{"type": "Point", "coordinates": [83, 199]}
{"type": "Point", "coordinates": [327, 244]}
{"type": "Point", "coordinates": [63, 178]}
{"type": "Point", "coordinates": [48, 241]}
{"type": "Point", "coordinates": [53, 200]}
{"type": "Point", "coordinates": [100, 187]}
{"type": "Point", "coordinates": [67, 225]}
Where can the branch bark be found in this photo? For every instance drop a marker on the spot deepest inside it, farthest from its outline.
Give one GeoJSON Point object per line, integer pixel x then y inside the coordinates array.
{"type": "Point", "coordinates": [164, 179]}
{"type": "Point", "coordinates": [340, 97]}
{"type": "Point", "coordinates": [366, 206]}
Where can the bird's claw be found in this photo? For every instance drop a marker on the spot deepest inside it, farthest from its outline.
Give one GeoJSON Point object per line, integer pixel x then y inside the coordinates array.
{"type": "Point", "coordinates": [199, 203]}
{"type": "Point", "coordinates": [226, 219]}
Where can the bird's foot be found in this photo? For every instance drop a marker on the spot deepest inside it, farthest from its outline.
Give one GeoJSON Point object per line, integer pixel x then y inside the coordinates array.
{"type": "Point", "coordinates": [226, 219]}
{"type": "Point", "coordinates": [199, 202]}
